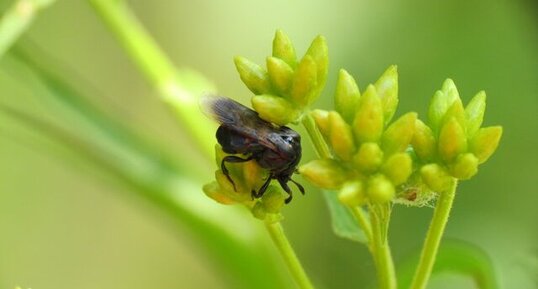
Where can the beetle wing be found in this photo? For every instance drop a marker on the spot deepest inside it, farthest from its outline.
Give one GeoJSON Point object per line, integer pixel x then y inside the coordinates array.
{"type": "Point", "coordinates": [239, 118]}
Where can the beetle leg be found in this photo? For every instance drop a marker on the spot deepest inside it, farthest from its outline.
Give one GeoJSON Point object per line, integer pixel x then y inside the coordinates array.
{"type": "Point", "coordinates": [284, 185]}
{"type": "Point", "coordinates": [301, 188]}
{"type": "Point", "coordinates": [262, 189]}
{"type": "Point", "coordinates": [231, 159]}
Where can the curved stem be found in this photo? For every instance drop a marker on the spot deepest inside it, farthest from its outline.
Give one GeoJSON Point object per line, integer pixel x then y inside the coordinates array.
{"type": "Point", "coordinates": [433, 237]}
{"type": "Point", "coordinates": [317, 139]}
{"type": "Point", "coordinates": [285, 249]}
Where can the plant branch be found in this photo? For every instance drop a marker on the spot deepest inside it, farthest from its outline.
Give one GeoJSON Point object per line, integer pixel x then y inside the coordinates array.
{"type": "Point", "coordinates": [317, 139]}
{"type": "Point", "coordinates": [178, 88]}
{"type": "Point", "coordinates": [17, 19]}
{"type": "Point", "coordinates": [433, 237]}
{"type": "Point", "coordinates": [285, 249]}
{"type": "Point", "coordinates": [363, 222]}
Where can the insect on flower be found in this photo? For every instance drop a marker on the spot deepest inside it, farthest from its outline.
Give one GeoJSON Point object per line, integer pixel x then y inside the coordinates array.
{"type": "Point", "coordinates": [242, 131]}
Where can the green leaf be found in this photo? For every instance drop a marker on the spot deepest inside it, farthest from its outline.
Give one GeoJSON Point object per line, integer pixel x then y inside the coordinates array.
{"type": "Point", "coordinates": [343, 222]}
{"type": "Point", "coordinates": [457, 257]}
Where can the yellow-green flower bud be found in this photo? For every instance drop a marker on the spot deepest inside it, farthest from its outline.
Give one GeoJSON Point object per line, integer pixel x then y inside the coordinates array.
{"type": "Point", "coordinates": [213, 191]}
{"type": "Point", "coordinates": [275, 109]}
{"type": "Point", "coordinates": [452, 140]}
{"type": "Point", "coordinates": [485, 142]}
{"type": "Point", "coordinates": [387, 89]}
{"type": "Point", "coordinates": [253, 75]}
{"type": "Point", "coordinates": [474, 113]}
{"type": "Point", "coordinates": [341, 137]}
{"type": "Point", "coordinates": [368, 122]}
{"type": "Point", "coordinates": [324, 173]}
{"type": "Point", "coordinates": [319, 52]}
{"type": "Point", "coordinates": [398, 168]}
{"type": "Point", "coordinates": [258, 211]}
{"type": "Point", "coordinates": [305, 81]}
{"type": "Point", "coordinates": [219, 154]}
{"type": "Point", "coordinates": [321, 117]}
{"type": "Point", "coordinates": [273, 199]}
{"type": "Point", "coordinates": [283, 48]}
{"type": "Point", "coordinates": [465, 166]}
{"type": "Point", "coordinates": [228, 187]}
{"type": "Point", "coordinates": [436, 177]}
{"type": "Point", "coordinates": [441, 101]}
{"type": "Point", "coordinates": [380, 189]}
{"type": "Point", "coordinates": [456, 111]}
{"type": "Point", "coordinates": [352, 194]}
{"type": "Point", "coordinates": [369, 157]}
{"type": "Point", "coordinates": [398, 135]}
{"type": "Point", "coordinates": [253, 174]}
{"type": "Point", "coordinates": [423, 141]}
{"type": "Point", "coordinates": [347, 95]}
{"type": "Point", "coordinates": [280, 74]}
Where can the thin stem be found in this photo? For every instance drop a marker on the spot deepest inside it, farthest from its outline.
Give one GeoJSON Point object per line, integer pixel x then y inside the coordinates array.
{"type": "Point", "coordinates": [363, 222]}
{"type": "Point", "coordinates": [381, 251]}
{"type": "Point", "coordinates": [317, 139]}
{"type": "Point", "coordinates": [178, 88]}
{"type": "Point", "coordinates": [17, 19]}
{"type": "Point", "coordinates": [285, 249]}
{"type": "Point", "coordinates": [433, 237]}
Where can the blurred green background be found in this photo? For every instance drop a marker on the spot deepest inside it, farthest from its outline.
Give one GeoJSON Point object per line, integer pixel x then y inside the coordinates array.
{"type": "Point", "coordinates": [63, 225]}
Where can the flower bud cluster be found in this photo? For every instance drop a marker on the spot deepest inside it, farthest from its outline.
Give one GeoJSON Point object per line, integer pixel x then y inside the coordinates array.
{"type": "Point", "coordinates": [286, 86]}
{"type": "Point", "coordinates": [452, 144]}
{"type": "Point", "coordinates": [247, 176]}
{"type": "Point", "coordinates": [370, 153]}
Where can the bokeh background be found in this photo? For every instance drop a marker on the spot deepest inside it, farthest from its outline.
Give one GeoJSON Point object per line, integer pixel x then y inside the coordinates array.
{"type": "Point", "coordinates": [62, 225]}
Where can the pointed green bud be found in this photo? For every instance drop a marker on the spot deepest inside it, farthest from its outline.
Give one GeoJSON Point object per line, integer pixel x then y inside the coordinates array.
{"type": "Point", "coordinates": [485, 142]}
{"type": "Point", "coordinates": [346, 97]}
{"type": "Point", "coordinates": [436, 177]}
{"type": "Point", "coordinates": [387, 89]}
{"type": "Point", "coordinates": [258, 211]}
{"type": "Point", "coordinates": [280, 74]}
{"type": "Point", "coordinates": [450, 91]}
{"type": "Point", "coordinates": [275, 109]}
{"type": "Point", "coordinates": [283, 48]}
{"type": "Point", "coordinates": [321, 117]}
{"type": "Point", "coordinates": [474, 113]}
{"type": "Point", "coordinates": [352, 194]}
{"type": "Point", "coordinates": [252, 75]}
{"type": "Point", "coordinates": [325, 173]}
{"type": "Point", "coordinates": [441, 101]}
{"type": "Point", "coordinates": [319, 52]}
{"type": "Point", "coordinates": [368, 122]}
{"type": "Point", "coordinates": [423, 141]}
{"type": "Point", "coordinates": [465, 166]}
{"type": "Point", "coordinates": [398, 135]}
{"type": "Point", "coordinates": [452, 140]}
{"type": "Point", "coordinates": [219, 154]}
{"type": "Point", "coordinates": [456, 111]}
{"type": "Point", "coordinates": [273, 199]}
{"type": "Point", "coordinates": [213, 191]}
{"type": "Point", "coordinates": [380, 190]}
{"type": "Point", "coordinates": [398, 168]}
{"type": "Point", "coordinates": [304, 81]}
{"type": "Point", "coordinates": [369, 157]}
{"type": "Point", "coordinates": [341, 137]}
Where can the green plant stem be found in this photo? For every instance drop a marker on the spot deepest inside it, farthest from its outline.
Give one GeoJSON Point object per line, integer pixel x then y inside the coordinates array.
{"type": "Point", "coordinates": [381, 251]}
{"type": "Point", "coordinates": [178, 88]}
{"type": "Point", "coordinates": [317, 139]}
{"type": "Point", "coordinates": [363, 222]}
{"type": "Point", "coordinates": [17, 19]}
{"type": "Point", "coordinates": [285, 249]}
{"type": "Point", "coordinates": [433, 237]}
